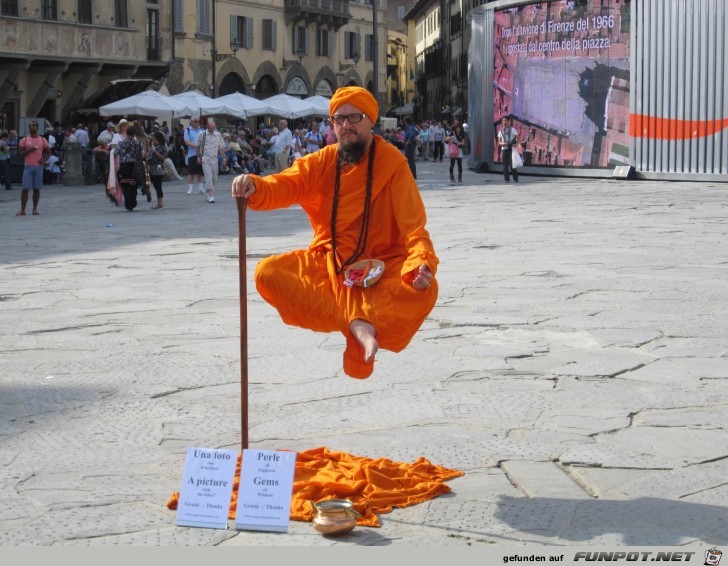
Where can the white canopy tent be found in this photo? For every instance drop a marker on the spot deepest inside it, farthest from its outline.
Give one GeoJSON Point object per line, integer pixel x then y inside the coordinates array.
{"type": "Point", "coordinates": [242, 106]}
{"type": "Point", "coordinates": [320, 105]}
{"type": "Point", "coordinates": [146, 103]}
{"type": "Point", "coordinates": [288, 106]}
{"type": "Point", "coordinates": [195, 104]}
{"type": "Point", "coordinates": [405, 110]}
{"type": "Point", "coordinates": [187, 104]}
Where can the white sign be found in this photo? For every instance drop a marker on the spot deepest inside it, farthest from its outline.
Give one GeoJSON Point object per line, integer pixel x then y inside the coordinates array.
{"type": "Point", "coordinates": [297, 86]}
{"type": "Point", "coordinates": [266, 486]}
{"type": "Point", "coordinates": [207, 484]}
{"type": "Point", "coordinates": [324, 89]}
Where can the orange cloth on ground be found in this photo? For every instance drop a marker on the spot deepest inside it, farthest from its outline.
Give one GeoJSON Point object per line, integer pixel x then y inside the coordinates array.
{"type": "Point", "coordinates": [372, 485]}
{"type": "Point", "coordinates": [303, 284]}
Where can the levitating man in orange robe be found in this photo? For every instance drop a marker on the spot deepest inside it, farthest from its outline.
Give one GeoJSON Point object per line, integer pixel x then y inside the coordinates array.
{"type": "Point", "coordinates": [363, 203]}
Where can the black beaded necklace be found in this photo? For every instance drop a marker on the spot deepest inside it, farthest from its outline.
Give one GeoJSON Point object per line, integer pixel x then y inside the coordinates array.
{"type": "Point", "coordinates": [361, 244]}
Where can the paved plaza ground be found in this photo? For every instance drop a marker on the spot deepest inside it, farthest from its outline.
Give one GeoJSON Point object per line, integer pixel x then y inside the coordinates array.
{"type": "Point", "coordinates": [574, 367]}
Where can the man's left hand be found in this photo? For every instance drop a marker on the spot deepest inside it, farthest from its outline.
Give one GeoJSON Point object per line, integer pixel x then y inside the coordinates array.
{"type": "Point", "coordinates": [423, 278]}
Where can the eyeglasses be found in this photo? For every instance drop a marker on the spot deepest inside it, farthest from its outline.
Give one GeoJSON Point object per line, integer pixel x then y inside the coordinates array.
{"type": "Point", "coordinates": [353, 118]}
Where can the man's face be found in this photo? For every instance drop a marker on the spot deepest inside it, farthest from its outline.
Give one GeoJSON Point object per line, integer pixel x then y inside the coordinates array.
{"type": "Point", "coordinates": [348, 133]}
{"type": "Point", "coordinates": [506, 122]}
{"type": "Point", "coordinates": [33, 128]}
{"type": "Point", "coordinates": [281, 125]}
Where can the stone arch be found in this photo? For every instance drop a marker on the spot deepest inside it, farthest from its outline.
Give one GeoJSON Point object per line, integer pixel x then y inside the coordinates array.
{"type": "Point", "coordinates": [298, 70]}
{"type": "Point", "coordinates": [232, 82]}
{"type": "Point", "coordinates": [268, 69]}
{"type": "Point", "coordinates": [351, 78]}
{"type": "Point", "coordinates": [325, 73]}
{"type": "Point", "coordinates": [234, 66]}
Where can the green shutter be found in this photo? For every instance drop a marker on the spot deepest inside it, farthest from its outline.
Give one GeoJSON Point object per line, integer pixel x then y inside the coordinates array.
{"type": "Point", "coordinates": [248, 33]}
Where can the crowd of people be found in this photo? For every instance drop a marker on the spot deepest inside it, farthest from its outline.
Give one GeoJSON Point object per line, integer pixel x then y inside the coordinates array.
{"type": "Point", "coordinates": [126, 167]}
{"type": "Point", "coordinates": [431, 140]}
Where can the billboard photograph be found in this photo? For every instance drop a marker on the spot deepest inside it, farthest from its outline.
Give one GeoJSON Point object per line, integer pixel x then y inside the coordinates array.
{"type": "Point", "coordinates": [561, 73]}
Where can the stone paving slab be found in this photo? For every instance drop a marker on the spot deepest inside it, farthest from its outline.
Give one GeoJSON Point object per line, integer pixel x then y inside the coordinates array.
{"type": "Point", "coordinates": [574, 367]}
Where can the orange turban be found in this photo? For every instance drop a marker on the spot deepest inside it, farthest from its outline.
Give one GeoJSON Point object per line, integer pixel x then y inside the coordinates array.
{"type": "Point", "coordinates": [356, 96]}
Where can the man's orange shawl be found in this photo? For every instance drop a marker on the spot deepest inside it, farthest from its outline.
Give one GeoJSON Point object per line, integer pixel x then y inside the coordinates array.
{"type": "Point", "coordinates": [304, 286]}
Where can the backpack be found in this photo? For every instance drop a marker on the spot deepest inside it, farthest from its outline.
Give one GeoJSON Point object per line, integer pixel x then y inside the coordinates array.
{"type": "Point", "coordinates": [254, 166]}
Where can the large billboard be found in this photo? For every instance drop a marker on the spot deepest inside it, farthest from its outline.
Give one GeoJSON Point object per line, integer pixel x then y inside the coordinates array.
{"type": "Point", "coordinates": [561, 72]}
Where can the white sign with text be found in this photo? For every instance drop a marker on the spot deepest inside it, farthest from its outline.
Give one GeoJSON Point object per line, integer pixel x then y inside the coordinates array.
{"type": "Point", "coordinates": [207, 485]}
{"type": "Point", "coordinates": [266, 486]}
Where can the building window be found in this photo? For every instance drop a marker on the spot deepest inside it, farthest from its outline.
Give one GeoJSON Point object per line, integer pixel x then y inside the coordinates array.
{"type": "Point", "coordinates": [300, 40]}
{"type": "Point", "coordinates": [400, 12]}
{"type": "Point", "coordinates": [9, 7]}
{"type": "Point", "coordinates": [179, 21]}
{"type": "Point", "coordinates": [351, 45]}
{"type": "Point", "coordinates": [269, 35]}
{"type": "Point", "coordinates": [49, 9]}
{"type": "Point", "coordinates": [369, 47]}
{"type": "Point", "coordinates": [153, 51]}
{"type": "Point", "coordinates": [84, 12]}
{"type": "Point", "coordinates": [121, 14]}
{"type": "Point", "coordinates": [325, 43]}
{"type": "Point", "coordinates": [203, 17]}
{"type": "Point", "coordinates": [241, 30]}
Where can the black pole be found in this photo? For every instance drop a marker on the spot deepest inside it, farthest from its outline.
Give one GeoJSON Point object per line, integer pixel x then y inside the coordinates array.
{"type": "Point", "coordinates": [375, 51]}
{"type": "Point", "coordinates": [214, 50]}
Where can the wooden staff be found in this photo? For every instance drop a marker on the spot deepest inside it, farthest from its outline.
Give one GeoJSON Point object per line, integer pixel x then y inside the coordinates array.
{"type": "Point", "coordinates": [243, 274]}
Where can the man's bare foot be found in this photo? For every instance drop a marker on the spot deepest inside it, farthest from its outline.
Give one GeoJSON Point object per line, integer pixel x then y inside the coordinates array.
{"type": "Point", "coordinates": [366, 335]}
{"type": "Point", "coordinates": [20, 213]}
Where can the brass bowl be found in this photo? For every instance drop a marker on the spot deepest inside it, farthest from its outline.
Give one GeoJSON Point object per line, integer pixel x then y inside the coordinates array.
{"type": "Point", "coordinates": [334, 516]}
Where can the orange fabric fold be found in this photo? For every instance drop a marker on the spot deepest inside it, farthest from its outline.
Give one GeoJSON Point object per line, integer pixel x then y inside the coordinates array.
{"type": "Point", "coordinates": [374, 486]}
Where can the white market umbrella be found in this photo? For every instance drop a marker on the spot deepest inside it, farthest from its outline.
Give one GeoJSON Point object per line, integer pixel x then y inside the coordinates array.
{"type": "Point", "coordinates": [146, 103]}
{"type": "Point", "coordinates": [195, 104]}
{"type": "Point", "coordinates": [241, 105]}
{"type": "Point", "coordinates": [288, 106]}
{"type": "Point", "coordinates": [320, 104]}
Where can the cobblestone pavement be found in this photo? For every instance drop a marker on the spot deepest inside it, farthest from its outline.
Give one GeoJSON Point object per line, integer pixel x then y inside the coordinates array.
{"type": "Point", "coordinates": [575, 366]}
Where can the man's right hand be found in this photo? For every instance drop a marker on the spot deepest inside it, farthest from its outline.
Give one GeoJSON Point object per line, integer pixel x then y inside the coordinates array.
{"type": "Point", "coordinates": [243, 186]}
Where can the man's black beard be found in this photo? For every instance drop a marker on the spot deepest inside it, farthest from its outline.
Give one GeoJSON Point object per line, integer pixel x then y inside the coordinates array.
{"type": "Point", "coordinates": [352, 152]}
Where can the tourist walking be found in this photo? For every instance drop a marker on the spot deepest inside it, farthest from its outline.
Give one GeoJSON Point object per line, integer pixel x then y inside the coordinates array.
{"type": "Point", "coordinates": [209, 146]}
{"type": "Point", "coordinates": [194, 168]}
{"type": "Point", "coordinates": [130, 151]}
{"type": "Point", "coordinates": [438, 139]}
{"type": "Point", "coordinates": [35, 149]}
{"type": "Point", "coordinates": [156, 157]}
{"type": "Point", "coordinates": [455, 141]}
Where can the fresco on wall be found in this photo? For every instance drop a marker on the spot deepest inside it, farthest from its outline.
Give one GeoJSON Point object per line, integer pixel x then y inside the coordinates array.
{"type": "Point", "coordinates": [26, 38]}
{"type": "Point", "coordinates": [49, 39]}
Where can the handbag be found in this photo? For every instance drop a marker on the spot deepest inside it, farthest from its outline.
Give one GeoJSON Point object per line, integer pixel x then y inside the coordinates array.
{"type": "Point", "coordinates": [516, 160]}
{"type": "Point", "coordinates": [453, 150]}
{"type": "Point", "coordinates": [138, 172]}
